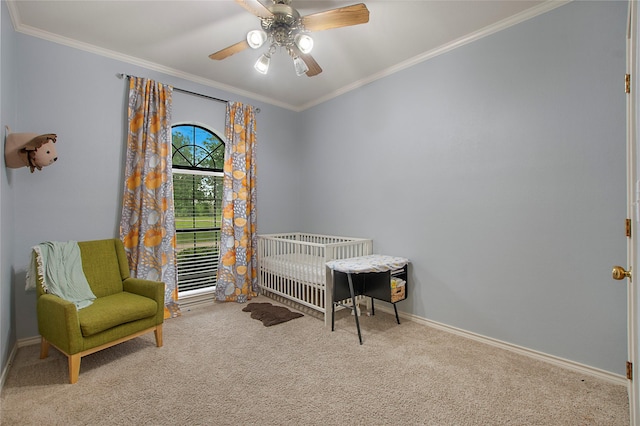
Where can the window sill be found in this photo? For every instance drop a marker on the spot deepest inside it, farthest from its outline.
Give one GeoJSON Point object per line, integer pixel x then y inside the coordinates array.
{"type": "Point", "coordinates": [196, 297]}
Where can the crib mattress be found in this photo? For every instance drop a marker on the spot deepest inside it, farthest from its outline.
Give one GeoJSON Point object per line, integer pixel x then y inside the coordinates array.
{"type": "Point", "coordinates": [298, 267]}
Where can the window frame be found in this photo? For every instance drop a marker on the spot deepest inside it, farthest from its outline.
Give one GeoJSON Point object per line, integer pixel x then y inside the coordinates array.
{"type": "Point", "coordinates": [197, 171]}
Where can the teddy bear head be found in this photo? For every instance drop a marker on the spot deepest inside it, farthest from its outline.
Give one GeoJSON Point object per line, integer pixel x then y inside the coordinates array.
{"type": "Point", "coordinates": [43, 156]}
{"type": "Point", "coordinates": [30, 150]}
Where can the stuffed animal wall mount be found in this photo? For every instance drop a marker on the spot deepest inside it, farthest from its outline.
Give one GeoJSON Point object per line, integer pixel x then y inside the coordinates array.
{"type": "Point", "coordinates": [30, 150]}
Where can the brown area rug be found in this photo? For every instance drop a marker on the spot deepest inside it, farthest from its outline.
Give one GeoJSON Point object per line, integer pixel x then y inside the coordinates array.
{"type": "Point", "coordinates": [270, 314]}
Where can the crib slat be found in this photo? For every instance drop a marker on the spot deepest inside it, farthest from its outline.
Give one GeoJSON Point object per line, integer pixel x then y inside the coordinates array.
{"type": "Point", "coordinates": [292, 265]}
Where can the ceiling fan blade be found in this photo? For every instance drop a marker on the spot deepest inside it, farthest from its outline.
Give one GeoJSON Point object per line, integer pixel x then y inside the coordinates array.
{"type": "Point", "coordinates": [228, 51]}
{"type": "Point", "coordinates": [255, 7]}
{"type": "Point", "coordinates": [314, 68]}
{"type": "Point", "coordinates": [336, 18]}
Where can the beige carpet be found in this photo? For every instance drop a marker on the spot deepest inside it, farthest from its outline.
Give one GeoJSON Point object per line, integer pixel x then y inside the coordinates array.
{"type": "Point", "coordinates": [219, 366]}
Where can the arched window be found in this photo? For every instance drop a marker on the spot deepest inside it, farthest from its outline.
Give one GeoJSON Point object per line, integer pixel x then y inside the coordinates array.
{"type": "Point", "coordinates": [198, 158]}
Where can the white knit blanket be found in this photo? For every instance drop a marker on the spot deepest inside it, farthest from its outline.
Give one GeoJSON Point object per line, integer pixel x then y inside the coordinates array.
{"type": "Point", "coordinates": [60, 266]}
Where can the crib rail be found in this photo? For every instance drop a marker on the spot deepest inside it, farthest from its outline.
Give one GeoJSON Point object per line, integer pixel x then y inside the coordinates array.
{"type": "Point", "coordinates": [292, 265]}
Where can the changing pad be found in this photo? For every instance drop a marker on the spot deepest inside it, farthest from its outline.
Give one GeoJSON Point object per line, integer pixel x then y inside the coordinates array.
{"type": "Point", "coordinates": [370, 263]}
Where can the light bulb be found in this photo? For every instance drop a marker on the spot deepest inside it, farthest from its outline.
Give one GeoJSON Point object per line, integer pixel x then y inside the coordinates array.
{"type": "Point", "coordinates": [304, 43]}
{"type": "Point", "coordinates": [300, 66]}
{"type": "Point", "coordinates": [256, 38]}
{"type": "Point", "coordinates": [262, 64]}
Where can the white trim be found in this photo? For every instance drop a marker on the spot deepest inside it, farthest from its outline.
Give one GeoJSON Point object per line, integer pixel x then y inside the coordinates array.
{"type": "Point", "coordinates": [189, 294]}
{"type": "Point", "coordinates": [5, 369]}
{"type": "Point", "coordinates": [631, 145]}
{"type": "Point", "coordinates": [55, 38]}
{"type": "Point", "coordinates": [488, 30]}
{"type": "Point", "coordinates": [540, 356]}
{"type": "Point", "coordinates": [19, 344]}
{"type": "Point", "coordinates": [469, 38]}
{"type": "Point", "coordinates": [28, 341]}
{"type": "Point", "coordinates": [208, 298]}
{"type": "Point", "coordinates": [176, 171]}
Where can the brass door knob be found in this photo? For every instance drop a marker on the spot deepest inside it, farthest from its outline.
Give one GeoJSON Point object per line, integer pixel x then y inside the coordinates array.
{"type": "Point", "coordinates": [619, 273]}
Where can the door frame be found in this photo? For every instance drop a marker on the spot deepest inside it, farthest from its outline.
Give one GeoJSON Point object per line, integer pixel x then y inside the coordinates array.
{"type": "Point", "coordinates": [633, 207]}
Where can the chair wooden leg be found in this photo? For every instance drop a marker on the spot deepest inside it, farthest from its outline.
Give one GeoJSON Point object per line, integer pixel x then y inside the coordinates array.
{"type": "Point", "coordinates": [158, 333]}
{"type": "Point", "coordinates": [74, 367]}
{"type": "Point", "coordinates": [44, 348]}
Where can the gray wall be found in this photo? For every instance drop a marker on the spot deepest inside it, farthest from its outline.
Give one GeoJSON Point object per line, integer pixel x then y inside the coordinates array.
{"type": "Point", "coordinates": [278, 154]}
{"type": "Point", "coordinates": [499, 170]}
{"type": "Point", "coordinates": [78, 96]}
{"type": "Point", "coordinates": [7, 116]}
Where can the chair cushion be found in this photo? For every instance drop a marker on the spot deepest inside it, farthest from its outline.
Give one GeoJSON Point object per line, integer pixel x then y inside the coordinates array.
{"type": "Point", "coordinates": [101, 266]}
{"type": "Point", "coordinates": [110, 311]}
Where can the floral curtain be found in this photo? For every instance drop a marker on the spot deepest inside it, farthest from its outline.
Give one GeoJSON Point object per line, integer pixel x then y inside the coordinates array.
{"type": "Point", "coordinates": [147, 226]}
{"type": "Point", "coordinates": [237, 268]}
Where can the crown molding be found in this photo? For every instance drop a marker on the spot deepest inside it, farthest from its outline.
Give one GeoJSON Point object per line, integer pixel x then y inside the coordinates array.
{"type": "Point", "coordinates": [69, 42]}
{"type": "Point", "coordinates": [462, 41]}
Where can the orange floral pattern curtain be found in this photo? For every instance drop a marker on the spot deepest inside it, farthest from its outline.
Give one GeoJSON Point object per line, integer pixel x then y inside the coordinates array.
{"type": "Point", "coordinates": [237, 268]}
{"type": "Point", "coordinates": [147, 226]}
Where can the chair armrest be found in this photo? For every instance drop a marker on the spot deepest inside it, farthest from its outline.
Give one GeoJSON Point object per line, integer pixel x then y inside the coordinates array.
{"type": "Point", "coordinates": [58, 323]}
{"type": "Point", "coordinates": [147, 288]}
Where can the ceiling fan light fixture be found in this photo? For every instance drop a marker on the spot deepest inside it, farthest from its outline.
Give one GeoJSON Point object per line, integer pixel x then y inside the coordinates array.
{"type": "Point", "coordinates": [262, 64]}
{"type": "Point", "coordinates": [284, 28]}
{"type": "Point", "coordinates": [304, 42]}
{"type": "Point", "coordinates": [300, 66]}
{"type": "Point", "coordinates": [256, 38]}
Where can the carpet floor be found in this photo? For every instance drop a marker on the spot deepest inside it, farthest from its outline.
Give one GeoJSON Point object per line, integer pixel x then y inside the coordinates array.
{"type": "Point", "coordinates": [218, 366]}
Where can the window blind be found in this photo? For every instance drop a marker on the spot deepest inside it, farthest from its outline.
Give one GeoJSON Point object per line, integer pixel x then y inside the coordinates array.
{"type": "Point", "coordinates": [197, 201]}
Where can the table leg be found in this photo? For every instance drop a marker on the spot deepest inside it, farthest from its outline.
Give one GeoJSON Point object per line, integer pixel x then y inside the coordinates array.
{"type": "Point", "coordinates": [373, 309]}
{"type": "Point", "coordinates": [355, 310]}
{"type": "Point", "coordinates": [397, 317]}
{"type": "Point", "coordinates": [333, 316]}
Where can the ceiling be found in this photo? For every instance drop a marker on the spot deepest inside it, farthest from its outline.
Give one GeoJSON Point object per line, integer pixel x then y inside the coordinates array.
{"type": "Point", "coordinates": [176, 37]}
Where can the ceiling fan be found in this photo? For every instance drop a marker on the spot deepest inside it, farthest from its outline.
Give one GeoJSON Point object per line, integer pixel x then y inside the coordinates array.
{"type": "Point", "coordinates": [282, 26]}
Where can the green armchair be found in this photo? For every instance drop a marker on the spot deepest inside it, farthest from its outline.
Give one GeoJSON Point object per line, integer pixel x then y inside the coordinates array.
{"type": "Point", "coordinates": [124, 307]}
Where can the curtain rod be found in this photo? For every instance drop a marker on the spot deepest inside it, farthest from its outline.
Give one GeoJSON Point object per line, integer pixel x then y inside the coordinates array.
{"type": "Point", "coordinates": [188, 92]}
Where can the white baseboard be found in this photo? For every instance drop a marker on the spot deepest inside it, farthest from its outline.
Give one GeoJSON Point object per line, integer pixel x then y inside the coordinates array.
{"type": "Point", "coordinates": [541, 356]}
{"type": "Point", "coordinates": [19, 344]}
{"type": "Point", "coordinates": [5, 368]}
{"type": "Point", "coordinates": [35, 340]}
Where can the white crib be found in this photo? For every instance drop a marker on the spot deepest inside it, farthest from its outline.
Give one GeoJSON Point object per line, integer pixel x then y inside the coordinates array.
{"type": "Point", "coordinates": [292, 265]}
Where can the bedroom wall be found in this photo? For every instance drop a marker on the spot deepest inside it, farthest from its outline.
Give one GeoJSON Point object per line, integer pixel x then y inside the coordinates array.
{"type": "Point", "coordinates": [76, 94]}
{"type": "Point", "coordinates": [498, 169]}
{"type": "Point", "coordinates": [7, 99]}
